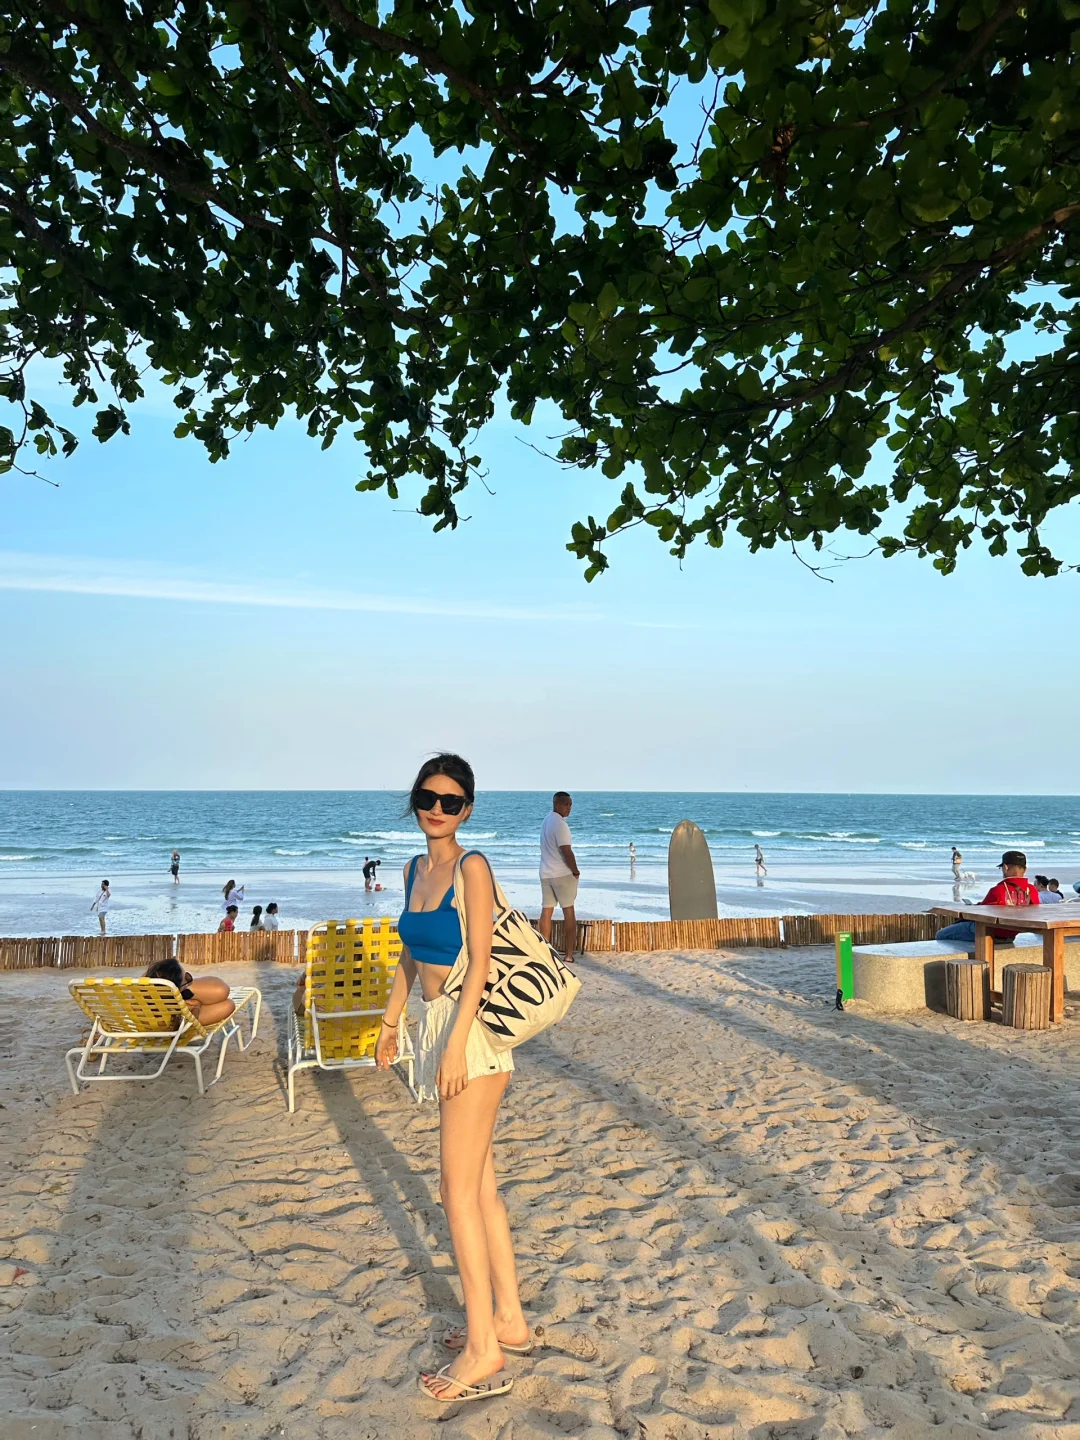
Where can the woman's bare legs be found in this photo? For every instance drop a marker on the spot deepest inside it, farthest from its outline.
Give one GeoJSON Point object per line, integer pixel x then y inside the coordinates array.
{"type": "Point", "coordinates": [209, 990]}
{"type": "Point", "coordinates": [510, 1322]}
{"type": "Point", "coordinates": [210, 1001]}
{"type": "Point", "coordinates": [212, 1014]}
{"type": "Point", "coordinates": [467, 1123]}
{"type": "Point", "coordinates": [101, 921]}
{"type": "Point", "coordinates": [511, 1327]}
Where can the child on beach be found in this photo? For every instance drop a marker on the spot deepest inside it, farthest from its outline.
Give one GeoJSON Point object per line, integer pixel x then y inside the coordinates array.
{"type": "Point", "coordinates": [101, 904]}
{"type": "Point", "coordinates": [207, 998]}
{"type": "Point", "coordinates": [228, 925]}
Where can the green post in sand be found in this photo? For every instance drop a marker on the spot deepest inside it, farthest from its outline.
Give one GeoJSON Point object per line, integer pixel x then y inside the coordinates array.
{"type": "Point", "coordinates": [845, 983]}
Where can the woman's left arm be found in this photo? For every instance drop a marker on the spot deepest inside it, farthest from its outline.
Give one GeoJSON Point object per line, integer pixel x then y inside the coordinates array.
{"type": "Point", "coordinates": [479, 927]}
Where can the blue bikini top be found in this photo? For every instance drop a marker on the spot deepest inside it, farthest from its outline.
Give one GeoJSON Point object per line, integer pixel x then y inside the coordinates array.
{"type": "Point", "coordinates": [433, 936]}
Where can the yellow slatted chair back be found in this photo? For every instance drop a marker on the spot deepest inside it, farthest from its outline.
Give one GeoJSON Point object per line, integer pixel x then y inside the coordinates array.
{"type": "Point", "coordinates": [136, 1006]}
{"type": "Point", "coordinates": [351, 965]}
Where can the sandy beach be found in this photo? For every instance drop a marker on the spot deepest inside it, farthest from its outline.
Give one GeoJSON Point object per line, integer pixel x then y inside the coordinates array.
{"type": "Point", "coordinates": [738, 1214]}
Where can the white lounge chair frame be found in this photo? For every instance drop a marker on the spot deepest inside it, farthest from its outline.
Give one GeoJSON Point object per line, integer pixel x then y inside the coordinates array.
{"type": "Point", "coordinates": [302, 1057]}
{"type": "Point", "coordinates": [103, 1044]}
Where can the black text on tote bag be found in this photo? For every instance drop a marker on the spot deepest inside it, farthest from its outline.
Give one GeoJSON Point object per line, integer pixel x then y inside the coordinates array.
{"type": "Point", "coordinates": [529, 985]}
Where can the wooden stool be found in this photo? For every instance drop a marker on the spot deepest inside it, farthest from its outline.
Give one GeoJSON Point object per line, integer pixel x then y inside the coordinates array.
{"type": "Point", "coordinates": [1025, 996]}
{"type": "Point", "coordinates": [967, 989]}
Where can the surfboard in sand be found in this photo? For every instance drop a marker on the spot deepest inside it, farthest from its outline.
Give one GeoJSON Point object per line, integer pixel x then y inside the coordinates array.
{"type": "Point", "coordinates": [691, 884]}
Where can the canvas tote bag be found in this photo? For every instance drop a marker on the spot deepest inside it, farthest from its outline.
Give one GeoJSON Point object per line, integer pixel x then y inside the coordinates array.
{"type": "Point", "coordinates": [529, 986]}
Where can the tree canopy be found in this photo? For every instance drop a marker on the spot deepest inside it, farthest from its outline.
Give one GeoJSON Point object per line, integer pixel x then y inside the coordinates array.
{"type": "Point", "coordinates": [737, 245]}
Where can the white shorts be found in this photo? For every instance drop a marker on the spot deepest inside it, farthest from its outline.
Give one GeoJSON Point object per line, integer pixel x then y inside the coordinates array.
{"type": "Point", "coordinates": [561, 890]}
{"type": "Point", "coordinates": [433, 1032]}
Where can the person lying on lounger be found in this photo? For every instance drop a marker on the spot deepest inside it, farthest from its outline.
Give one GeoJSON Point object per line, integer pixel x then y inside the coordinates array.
{"type": "Point", "coordinates": [207, 998]}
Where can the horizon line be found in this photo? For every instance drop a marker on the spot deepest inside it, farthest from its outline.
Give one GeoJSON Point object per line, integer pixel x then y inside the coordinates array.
{"type": "Point", "coordinates": [525, 790]}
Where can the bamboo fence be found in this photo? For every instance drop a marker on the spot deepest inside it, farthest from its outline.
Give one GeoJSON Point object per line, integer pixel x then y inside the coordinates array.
{"type": "Point", "coordinates": [138, 952]}
{"type": "Point", "coordinates": [594, 936]}
{"type": "Point", "coordinates": [90, 952]}
{"type": "Point", "coordinates": [864, 929]}
{"type": "Point", "coordinates": [27, 954]}
{"type": "Point", "coordinates": [760, 931]}
{"type": "Point", "coordinates": [280, 947]}
{"type": "Point", "coordinates": [289, 947]}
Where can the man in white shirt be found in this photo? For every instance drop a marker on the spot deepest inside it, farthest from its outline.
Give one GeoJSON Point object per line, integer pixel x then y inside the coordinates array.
{"type": "Point", "coordinates": [558, 871]}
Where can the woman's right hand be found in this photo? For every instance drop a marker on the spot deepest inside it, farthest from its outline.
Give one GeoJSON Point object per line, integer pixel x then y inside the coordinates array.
{"type": "Point", "coordinates": [386, 1047]}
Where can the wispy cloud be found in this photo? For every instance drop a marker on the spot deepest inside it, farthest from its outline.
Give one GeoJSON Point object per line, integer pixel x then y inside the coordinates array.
{"type": "Point", "coordinates": [69, 575]}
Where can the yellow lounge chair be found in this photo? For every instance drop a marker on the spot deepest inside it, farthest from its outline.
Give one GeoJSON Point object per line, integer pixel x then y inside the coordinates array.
{"type": "Point", "coordinates": [350, 968]}
{"type": "Point", "coordinates": [150, 1017]}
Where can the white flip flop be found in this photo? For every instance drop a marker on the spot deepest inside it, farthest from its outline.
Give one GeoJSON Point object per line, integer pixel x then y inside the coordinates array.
{"type": "Point", "coordinates": [451, 1338]}
{"type": "Point", "coordinates": [482, 1390]}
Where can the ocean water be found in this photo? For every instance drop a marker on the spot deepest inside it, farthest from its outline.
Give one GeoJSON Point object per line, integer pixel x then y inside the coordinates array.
{"type": "Point", "coordinates": [305, 849]}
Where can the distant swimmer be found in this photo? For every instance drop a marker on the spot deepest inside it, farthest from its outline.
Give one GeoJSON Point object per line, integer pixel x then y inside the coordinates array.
{"type": "Point", "coordinates": [370, 867]}
{"type": "Point", "coordinates": [100, 904]}
{"type": "Point", "coordinates": [174, 867]}
{"type": "Point", "coordinates": [759, 862]}
{"type": "Point", "coordinates": [957, 861]}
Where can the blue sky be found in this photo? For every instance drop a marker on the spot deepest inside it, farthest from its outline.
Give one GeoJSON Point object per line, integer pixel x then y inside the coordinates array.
{"type": "Point", "coordinates": [173, 624]}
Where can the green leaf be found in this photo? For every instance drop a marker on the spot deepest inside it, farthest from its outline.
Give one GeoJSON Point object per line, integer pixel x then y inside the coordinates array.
{"type": "Point", "coordinates": [854, 298]}
{"type": "Point", "coordinates": [165, 84]}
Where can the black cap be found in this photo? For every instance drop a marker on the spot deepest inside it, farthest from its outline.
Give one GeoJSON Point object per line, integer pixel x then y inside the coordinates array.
{"type": "Point", "coordinates": [1013, 857]}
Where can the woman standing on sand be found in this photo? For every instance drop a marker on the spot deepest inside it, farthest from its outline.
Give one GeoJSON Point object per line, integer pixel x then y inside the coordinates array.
{"type": "Point", "coordinates": [456, 1061]}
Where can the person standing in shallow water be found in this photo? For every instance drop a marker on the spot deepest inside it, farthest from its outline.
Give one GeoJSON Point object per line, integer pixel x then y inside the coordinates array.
{"type": "Point", "coordinates": [174, 867]}
{"type": "Point", "coordinates": [456, 1062]}
{"type": "Point", "coordinates": [100, 904]}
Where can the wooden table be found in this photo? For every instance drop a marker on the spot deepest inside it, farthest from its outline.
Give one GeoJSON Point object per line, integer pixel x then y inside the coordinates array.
{"type": "Point", "coordinates": [1052, 922]}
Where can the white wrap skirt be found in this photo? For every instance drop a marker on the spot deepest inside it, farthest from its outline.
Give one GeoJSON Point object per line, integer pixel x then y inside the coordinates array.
{"type": "Point", "coordinates": [433, 1032]}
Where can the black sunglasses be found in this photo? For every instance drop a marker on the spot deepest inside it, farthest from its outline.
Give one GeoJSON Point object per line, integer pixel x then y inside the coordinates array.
{"type": "Point", "coordinates": [428, 799]}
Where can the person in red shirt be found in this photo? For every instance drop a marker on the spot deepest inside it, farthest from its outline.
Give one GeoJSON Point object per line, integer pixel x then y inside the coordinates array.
{"type": "Point", "coordinates": [229, 923]}
{"type": "Point", "coordinates": [1012, 889]}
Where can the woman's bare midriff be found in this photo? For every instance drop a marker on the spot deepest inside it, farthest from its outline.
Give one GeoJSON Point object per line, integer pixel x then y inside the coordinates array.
{"type": "Point", "coordinates": [431, 979]}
